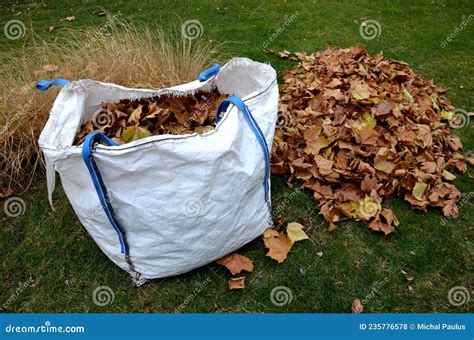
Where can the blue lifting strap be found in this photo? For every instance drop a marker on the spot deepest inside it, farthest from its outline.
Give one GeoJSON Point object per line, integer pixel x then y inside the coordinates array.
{"type": "Point", "coordinates": [43, 85]}
{"type": "Point", "coordinates": [209, 73]}
{"type": "Point", "coordinates": [256, 130]}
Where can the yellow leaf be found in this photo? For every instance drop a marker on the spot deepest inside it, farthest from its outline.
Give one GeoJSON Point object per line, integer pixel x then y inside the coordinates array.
{"type": "Point", "coordinates": [135, 133]}
{"type": "Point", "coordinates": [369, 120]}
{"type": "Point", "coordinates": [408, 96]}
{"type": "Point", "coordinates": [448, 176]}
{"type": "Point", "coordinates": [448, 115]}
{"type": "Point", "coordinates": [135, 115]}
{"type": "Point", "coordinates": [295, 232]}
{"type": "Point", "coordinates": [419, 189]}
{"type": "Point", "coordinates": [350, 209]}
{"type": "Point", "coordinates": [203, 129]}
{"type": "Point", "coordinates": [368, 208]}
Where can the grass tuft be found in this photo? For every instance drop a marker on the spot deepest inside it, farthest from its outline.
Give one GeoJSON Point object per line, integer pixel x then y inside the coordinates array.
{"type": "Point", "coordinates": [116, 52]}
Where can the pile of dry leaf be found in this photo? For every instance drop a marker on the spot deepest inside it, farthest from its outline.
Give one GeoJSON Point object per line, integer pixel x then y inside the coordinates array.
{"type": "Point", "coordinates": [357, 128]}
{"type": "Point", "coordinates": [128, 120]}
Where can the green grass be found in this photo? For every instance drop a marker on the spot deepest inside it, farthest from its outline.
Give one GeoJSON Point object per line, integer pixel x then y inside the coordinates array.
{"type": "Point", "coordinates": [66, 266]}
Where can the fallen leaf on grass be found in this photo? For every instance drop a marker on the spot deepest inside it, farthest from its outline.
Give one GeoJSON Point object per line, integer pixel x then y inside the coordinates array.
{"type": "Point", "coordinates": [357, 306]}
{"type": "Point", "coordinates": [279, 247]}
{"type": "Point", "coordinates": [237, 283]}
{"type": "Point", "coordinates": [448, 176]}
{"type": "Point", "coordinates": [295, 232]}
{"type": "Point", "coordinates": [236, 263]}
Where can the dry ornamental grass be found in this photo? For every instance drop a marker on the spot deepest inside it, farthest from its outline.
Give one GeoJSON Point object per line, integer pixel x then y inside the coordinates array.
{"type": "Point", "coordinates": [117, 52]}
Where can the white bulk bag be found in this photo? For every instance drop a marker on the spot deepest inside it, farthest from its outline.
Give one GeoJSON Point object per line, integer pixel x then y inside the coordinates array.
{"type": "Point", "coordinates": [167, 204]}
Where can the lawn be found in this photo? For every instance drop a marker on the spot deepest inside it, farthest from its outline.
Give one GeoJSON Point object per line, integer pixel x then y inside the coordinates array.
{"type": "Point", "coordinates": [50, 263]}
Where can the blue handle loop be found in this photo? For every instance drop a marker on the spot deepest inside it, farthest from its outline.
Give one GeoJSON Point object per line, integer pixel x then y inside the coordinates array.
{"type": "Point", "coordinates": [256, 130]}
{"type": "Point", "coordinates": [88, 157]}
{"type": "Point", "coordinates": [43, 85]}
{"type": "Point", "coordinates": [209, 73]}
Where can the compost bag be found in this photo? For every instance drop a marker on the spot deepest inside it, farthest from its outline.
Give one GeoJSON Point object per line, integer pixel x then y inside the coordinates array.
{"type": "Point", "coordinates": [166, 204]}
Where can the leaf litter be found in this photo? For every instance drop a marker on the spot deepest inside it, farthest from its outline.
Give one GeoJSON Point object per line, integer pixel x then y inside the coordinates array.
{"type": "Point", "coordinates": [356, 129]}
{"type": "Point", "coordinates": [130, 120]}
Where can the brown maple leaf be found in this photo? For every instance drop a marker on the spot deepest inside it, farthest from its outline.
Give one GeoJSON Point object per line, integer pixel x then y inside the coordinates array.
{"type": "Point", "coordinates": [236, 263]}
{"type": "Point", "coordinates": [279, 247]}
